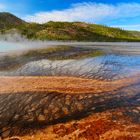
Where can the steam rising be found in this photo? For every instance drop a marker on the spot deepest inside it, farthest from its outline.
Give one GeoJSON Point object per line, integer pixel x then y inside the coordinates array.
{"type": "Point", "coordinates": [12, 42]}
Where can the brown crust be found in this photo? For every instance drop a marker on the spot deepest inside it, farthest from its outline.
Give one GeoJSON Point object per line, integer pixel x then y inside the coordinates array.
{"type": "Point", "coordinates": [61, 84]}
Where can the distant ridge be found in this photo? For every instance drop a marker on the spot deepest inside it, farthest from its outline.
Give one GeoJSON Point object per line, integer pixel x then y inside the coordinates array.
{"type": "Point", "coordinates": [7, 20]}
{"type": "Point", "coordinates": [77, 31]}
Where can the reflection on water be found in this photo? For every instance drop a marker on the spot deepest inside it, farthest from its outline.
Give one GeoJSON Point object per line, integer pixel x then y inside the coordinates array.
{"type": "Point", "coordinates": [108, 66]}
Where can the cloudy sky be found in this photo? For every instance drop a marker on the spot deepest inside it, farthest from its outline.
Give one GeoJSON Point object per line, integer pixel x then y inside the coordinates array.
{"type": "Point", "coordinates": [119, 13]}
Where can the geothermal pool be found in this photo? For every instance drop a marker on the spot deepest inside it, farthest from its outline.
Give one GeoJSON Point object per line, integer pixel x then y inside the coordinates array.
{"type": "Point", "coordinates": [59, 92]}
{"type": "Point", "coordinates": [118, 61]}
{"type": "Point", "coordinates": [7, 47]}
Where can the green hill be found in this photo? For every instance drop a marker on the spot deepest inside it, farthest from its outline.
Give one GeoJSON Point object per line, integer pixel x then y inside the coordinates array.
{"type": "Point", "coordinates": [8, 21]}
{"type": "Point", "coordinates": [78, 31]}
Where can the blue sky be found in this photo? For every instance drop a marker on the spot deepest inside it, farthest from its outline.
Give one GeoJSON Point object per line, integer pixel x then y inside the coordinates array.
{"type": "Point", "coordinates": [119, 13]}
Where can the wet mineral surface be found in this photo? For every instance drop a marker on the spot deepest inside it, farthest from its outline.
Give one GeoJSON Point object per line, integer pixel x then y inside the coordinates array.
{"type": "Point", "coordinates": [73, 93]}
{"type": "Point", "coordinates": [33, 112]}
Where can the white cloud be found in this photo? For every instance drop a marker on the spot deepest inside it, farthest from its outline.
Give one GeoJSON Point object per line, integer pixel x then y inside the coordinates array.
{"type": "Point", "coordinates": [2, 7]}
{"type": "Point", "coordinates": [129, 27]}
{"type": "Point", "coordinates": [88, 12]}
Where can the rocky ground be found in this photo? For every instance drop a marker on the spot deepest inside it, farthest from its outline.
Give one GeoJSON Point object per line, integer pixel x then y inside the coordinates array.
{"type": "Point", "coordinates": [62, 108]}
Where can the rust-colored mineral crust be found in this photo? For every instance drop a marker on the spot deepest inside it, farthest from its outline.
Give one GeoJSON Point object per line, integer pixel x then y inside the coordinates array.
{"type": "Point", "coordinates": [63, 108]}
{"type": "Point", "coordinates": [61, 84]}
